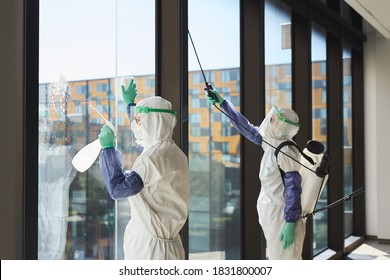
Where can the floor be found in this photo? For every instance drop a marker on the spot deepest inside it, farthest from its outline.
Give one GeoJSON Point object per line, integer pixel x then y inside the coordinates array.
{"type": "Point", "coordinates": [371, 250]}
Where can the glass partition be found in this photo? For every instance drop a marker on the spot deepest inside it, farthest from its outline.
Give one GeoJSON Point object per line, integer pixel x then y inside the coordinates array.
{"type": "Point", "coordinates": [87, 50]}
{"type": "Point", "coordinates": [214, 144]}
{"type": "Point", "coordinates": [347, 140]}
{"type": "Point", "coordinates": [277, 43]}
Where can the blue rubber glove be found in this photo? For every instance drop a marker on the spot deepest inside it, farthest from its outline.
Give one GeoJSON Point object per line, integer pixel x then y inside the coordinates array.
{"type": "Point", "coordinates": [130, 93]}
{"type": "Point", "coordinates": [287, 235]}
{"type": "Point", "coordinates": [211, 99]}
{"type": "Point", "coordinates": [106, 137]}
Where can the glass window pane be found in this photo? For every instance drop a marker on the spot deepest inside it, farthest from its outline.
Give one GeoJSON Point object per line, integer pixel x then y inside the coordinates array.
{"type": "Point", "coordinates": [85, 52]}
{"type": "Point", "coordinates": [277, 44]}
{"type": "Point", "coordinates": [214, 147]}
{"type": "Point", "coordinates": [277, 54]}
{"type": "Point", "coordinates": [320, 130]}
{"type": "Point", "coordinates": [347, 139]}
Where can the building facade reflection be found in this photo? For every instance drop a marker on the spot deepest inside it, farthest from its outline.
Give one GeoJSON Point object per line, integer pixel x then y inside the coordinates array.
{"type": "Point", "coordinates": [214, 155]}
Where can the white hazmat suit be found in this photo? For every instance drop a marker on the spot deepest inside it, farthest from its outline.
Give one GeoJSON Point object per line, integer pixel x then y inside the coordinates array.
{"type": "Point", "coordinates": [157, 186]}
{"type": "Point", "coordinates": [271, 204]}
{"type": "Point", "coordinates": [279, 201]}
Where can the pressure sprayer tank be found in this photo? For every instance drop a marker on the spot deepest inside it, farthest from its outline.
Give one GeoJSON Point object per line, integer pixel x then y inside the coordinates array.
{"type": "Point", "coordinates": [313, 180]}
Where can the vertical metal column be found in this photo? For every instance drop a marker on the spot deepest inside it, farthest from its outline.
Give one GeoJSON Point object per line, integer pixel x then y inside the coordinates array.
{"type": "Point", "coordinates": [302, 98]}
{"type": "Point", "coordinates": [30, 124]}
{"type": "Point", "coordinates": [172, 69]}
{"type": "Point", "coordinates": [253, 107]}
{"type": "Point", "coordinates": [359, 210]}
{"type": "Point", "coordinates": [335, 143]}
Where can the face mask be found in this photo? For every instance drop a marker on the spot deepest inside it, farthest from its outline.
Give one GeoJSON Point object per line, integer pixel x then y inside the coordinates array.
{"type": "Point", "coordinates": [138, 132]}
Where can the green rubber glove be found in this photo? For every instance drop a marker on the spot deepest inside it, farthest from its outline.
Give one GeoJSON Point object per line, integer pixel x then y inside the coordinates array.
{"type": "Point", "coordinates": [211, 99]}
{"type": "Point", "coordinates": [106, 137]}
{"type": "Point", "coordinates": [130, 93]}
{"type": "Point", "coordinates": [287, 235]}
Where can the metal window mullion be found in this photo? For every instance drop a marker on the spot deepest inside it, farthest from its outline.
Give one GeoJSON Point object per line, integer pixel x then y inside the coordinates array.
{"type": "Point", "coordinates": [253, 107]}
{"type": "Point", "coordinates": [302, 98]}
{"type": "Point", "coordinates": [335, 143]}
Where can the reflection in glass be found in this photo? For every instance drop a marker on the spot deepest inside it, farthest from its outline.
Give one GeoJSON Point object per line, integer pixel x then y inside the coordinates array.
{"type": "Point", "coordinates": [347, 139]}
{"type": "Point", "coordinates": [214, 145]}
{"type": "Point", "coordinates": [277, 44]}
{"type": "Point", "coordinates": [55, 172]}
{"type": "Point", "coordinates": [277, 29]}
{"type": "Point", "coordinates": [319, 126]}
{"type": "Point", "coordinates": [77, 218]}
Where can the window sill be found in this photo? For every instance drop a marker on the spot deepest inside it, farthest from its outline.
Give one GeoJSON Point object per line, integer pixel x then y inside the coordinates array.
{"type": "Point", "coordinates": [351, 243]}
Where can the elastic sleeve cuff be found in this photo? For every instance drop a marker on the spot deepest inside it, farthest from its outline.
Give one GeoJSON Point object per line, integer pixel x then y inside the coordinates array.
{"type": "Point", "coordinates": [108, 147]}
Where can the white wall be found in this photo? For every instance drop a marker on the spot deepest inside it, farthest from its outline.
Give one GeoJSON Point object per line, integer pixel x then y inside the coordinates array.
{"type": "Point", "coordinates": [383, 135]}
{"type": "Point", "coordinates": [377, 135]}
{"type": "Point", "coordinates": [11, 126]}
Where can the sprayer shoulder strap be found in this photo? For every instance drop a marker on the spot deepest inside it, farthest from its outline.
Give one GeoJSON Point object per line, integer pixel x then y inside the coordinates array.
{"type": "Point", "coordinates": [277, 150]}
{"type": "Point", "coordinates": [285, 143]}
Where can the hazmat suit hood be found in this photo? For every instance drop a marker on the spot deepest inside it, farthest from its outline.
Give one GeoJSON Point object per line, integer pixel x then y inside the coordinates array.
{"type": "Point", "coordinates": [280, 124]}
{"type": "Point", "coordinates": [155, 126]}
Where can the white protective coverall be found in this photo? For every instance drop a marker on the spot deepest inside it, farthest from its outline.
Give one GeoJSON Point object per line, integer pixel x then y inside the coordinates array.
{"type": "Point", "coordinates": [271, 202]}
{"type": "Point", "coordinates": [159, 209]}
{"type": "Point", "coordinates": [272, 208]}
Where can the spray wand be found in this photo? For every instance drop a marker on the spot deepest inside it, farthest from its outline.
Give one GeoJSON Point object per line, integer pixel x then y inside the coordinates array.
{"type": "Point", "coordinates": [208, 87]}
{"type": "Point", "coordinates": [210, 92]}
{"type": "Point", "coordinates": [324, 165]}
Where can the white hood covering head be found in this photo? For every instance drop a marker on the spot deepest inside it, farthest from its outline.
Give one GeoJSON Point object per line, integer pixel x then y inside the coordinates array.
{"type": "Point", "coordinates": [156, 126]}
{"type": "Point", "coordinates": [280, 124]}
